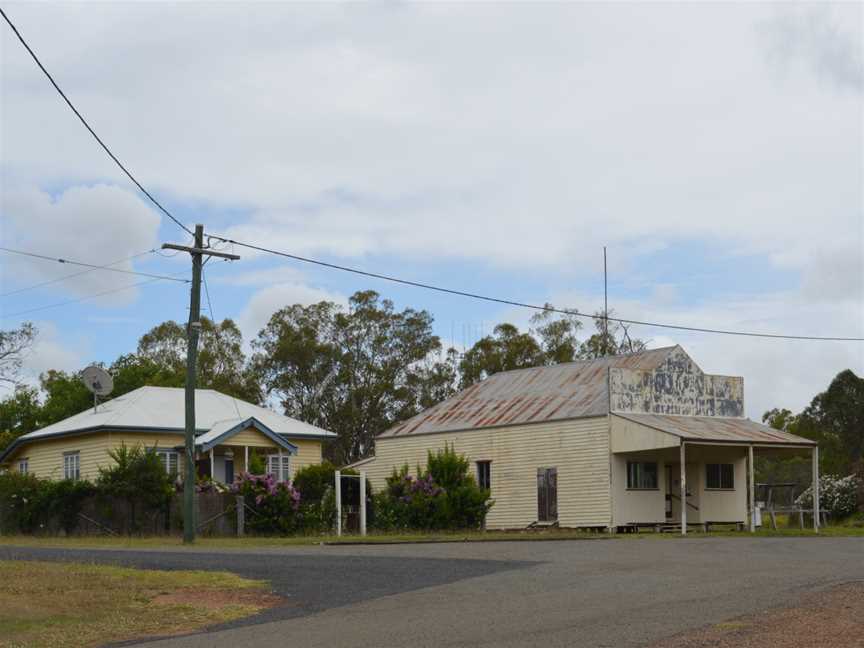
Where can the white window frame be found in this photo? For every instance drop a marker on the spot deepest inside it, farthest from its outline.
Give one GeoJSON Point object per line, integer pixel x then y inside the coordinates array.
{"type": "Point", "coordinates": [720, 486]}
{"type": "Point", "coordinates": [273, 462]}
{"type": "Point", "coordinates": [636, 478]}
{"type": "Point", "coordinates": [24, 465]}
{"type": "Point", "coordinates": [72, 465]}
{"type": "Point", "coordinates": [167, 456]}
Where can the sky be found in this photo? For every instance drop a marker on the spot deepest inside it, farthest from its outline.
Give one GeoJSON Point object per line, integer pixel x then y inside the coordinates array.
{"type": "Point", "coordinates": [716, 150]}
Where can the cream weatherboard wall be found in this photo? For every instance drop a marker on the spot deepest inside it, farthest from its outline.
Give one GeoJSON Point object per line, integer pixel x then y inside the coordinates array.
{"type": "Point", "coordinates": [578, 449]}
{"type": "Point", "coordinates": [45, 458]}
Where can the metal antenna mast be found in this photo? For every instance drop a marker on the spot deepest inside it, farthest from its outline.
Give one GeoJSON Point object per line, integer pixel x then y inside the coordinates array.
{"type": "Point", "coordinates": [605, 307]}
{"type": "Point", "coordinates": [198, 251]}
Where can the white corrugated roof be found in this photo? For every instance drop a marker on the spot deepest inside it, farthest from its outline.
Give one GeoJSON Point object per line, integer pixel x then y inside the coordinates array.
{"type": "Point", "coordinates": [716, 428]}
{"type": "Point", "coordinates": [163, 409]}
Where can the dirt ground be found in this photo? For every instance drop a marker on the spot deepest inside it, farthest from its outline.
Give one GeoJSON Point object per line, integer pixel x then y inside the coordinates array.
{"type": "Point", "coordinates": [832, 618]}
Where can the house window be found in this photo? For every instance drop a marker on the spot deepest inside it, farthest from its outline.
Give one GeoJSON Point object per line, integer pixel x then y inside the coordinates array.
{"type": "Point", "coordinates": [484, 474]}
{"type": "Point", "coordinates": [720, 476]}
{"type": "Point", "coordinates": [273, 466]}
{"type": "Point", "coordinates": [642, 475]}
{"type": "Point", "coordinates": [170, 461]}
{"type": "Point", "coordinates": [72, 465]}
{"type": "Point", "coordinates": [23, 466]}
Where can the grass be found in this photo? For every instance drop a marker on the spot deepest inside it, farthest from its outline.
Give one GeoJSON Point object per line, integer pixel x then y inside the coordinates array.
{"type": "Point", "coordinates": [249, 542]}
{"type": "Point", "coordinates": [79, 605]}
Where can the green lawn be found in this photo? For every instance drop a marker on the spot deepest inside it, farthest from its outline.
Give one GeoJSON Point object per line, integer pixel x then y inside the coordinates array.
{"type": "Point", "coordinates": [75, 605]}
{"type": "Point", "coordinates": [469, 536]}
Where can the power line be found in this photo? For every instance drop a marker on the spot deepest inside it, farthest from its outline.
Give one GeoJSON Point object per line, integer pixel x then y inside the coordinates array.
{"type": "Point", "coordinates": [87, 126]}
{"type": "Point", "coordinates": [207, 290]}
{"type": "Point", "coordinates": [550, 309]}
{"type": "Point", "coordinates": [92, 266]}
{"type": "Point", "coordinates": [71, 276]}
{"type": "Point", "coordinates": [406, 282]}
{"type": "Point", "coordinates": [87, 297]}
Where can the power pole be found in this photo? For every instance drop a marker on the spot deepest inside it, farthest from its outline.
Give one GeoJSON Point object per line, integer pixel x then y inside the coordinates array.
{"type": "Point", "coordinates": [198, 251]}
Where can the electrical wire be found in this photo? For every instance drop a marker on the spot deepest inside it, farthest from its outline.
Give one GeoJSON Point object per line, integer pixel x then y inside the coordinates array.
{"type": "Point", "coordinates": [71, 276]}
{"type": "Point", "coordinates": [85, 298]}
{"type": "Point", "coordinates": [89, 128]}
{"type": "Point", "coordinates": [207, 291]}
{"type": "Point", "coordinates": [550, 309]}
{"type": "Point", "coordinates": [92, 266]}
{"type": "Point", "coordinates": [406, 282]}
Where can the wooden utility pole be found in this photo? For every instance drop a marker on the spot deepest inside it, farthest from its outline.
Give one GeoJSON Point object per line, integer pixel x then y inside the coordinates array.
{"type": "Point", "coordinates": [198, 251]}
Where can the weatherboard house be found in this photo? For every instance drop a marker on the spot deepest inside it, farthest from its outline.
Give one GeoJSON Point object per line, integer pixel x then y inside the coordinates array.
{"type": "Point", "coordinates": [228, 430]}
{"type": "Point", "coordinates": [614, 443]}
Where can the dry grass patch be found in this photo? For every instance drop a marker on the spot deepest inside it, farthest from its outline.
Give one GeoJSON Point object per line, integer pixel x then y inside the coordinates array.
{"type": "Point", "coordinates": [79, 605]}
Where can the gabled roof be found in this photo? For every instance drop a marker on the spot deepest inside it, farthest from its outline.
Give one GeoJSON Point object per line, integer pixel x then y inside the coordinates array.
{"type": "Point", "coordinates": [565, 391]}
{"type": "Point", "coordinates": [162, 409]}
{"type": "Point", "coordinates": [717, 429]}
{"type": "Point", "coordinates": [224, 430]}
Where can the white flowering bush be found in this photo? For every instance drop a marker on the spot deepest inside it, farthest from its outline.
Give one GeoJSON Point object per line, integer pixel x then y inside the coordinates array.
{"type": "Point", "coordinates": [837, 495]}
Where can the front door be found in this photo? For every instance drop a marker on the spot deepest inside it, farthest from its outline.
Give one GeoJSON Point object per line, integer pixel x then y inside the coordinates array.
{"type": "Point", "coordinates": [547, 494]}
{"type": "Point", "coordinates": [673, 492]}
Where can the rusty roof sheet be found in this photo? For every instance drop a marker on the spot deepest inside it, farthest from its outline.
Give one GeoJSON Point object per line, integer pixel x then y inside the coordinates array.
{"type": "Point", "coordinates": [564, 391]}
{"type": "Point", "coordinates": [716, 428]}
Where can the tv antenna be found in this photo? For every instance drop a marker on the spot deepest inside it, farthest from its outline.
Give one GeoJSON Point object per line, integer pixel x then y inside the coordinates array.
{"type": "Point", "coordinates": [98, 381]}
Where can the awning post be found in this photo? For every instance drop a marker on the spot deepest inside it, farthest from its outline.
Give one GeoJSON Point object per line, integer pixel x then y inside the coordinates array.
{"type": "Point", "coordinates": [246, 459]}
{"type": "Point", "coordinates": [683, 491]}
{"type": "Point", "coordinates": [751, 481]}
{"type": "Point", "coordinates": [212, 465]}
{"type": "Point", "coordinates": [338, 503]}
{"type": "Point", "coordinates": [816, 489]}
{"type": "Point", "coordinates": [362, 503]}
{"type": "Point", "coordinates": [281, 467]}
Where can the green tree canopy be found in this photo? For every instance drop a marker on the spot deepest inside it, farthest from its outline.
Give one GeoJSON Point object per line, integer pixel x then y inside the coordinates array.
{"type": "Point", "coordinates": [221, 362]}
{"type": "Point", "coordinates": [552, 339]}
{"type": "Point", "coordinates": [353, 371]}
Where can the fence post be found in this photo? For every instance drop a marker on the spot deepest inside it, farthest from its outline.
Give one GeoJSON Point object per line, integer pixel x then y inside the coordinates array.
{"type": "Point", "coordinates": [241, 516]}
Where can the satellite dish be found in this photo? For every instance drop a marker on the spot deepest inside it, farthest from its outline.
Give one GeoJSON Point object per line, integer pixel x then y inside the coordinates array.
{"type": "Point", "coordinates": [98, 381]}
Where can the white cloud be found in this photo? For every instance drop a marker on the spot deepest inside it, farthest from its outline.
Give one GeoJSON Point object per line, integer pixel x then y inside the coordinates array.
{"type": "Point", "coordinates": [777, 373]}
{"type": "Point", "coordinates": [818, 38]}
{"type": "Point", "coordinates": [521, 137]}
{"type": "Point", "coordinates": [263, 303]}
{"type": "Point", "coordinates": [518, 136]}
{"type": "Point", "coordinates": [49, 351]}
{"type": "Point", "coordinates": [92, 224]}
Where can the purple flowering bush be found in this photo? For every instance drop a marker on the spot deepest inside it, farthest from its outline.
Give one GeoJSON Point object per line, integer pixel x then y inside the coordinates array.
{"type": "Point", "coordinates": [444, 496]}
{"type": "Point", "coordinates": [276, 504]}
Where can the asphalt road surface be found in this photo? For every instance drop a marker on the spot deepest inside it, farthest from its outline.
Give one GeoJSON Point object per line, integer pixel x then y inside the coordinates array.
{"type": "Point", "coordinates": [616, 593]}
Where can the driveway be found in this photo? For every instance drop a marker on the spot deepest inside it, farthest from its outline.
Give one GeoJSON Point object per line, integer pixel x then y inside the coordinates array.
{"type": "Point", "coordinates": [570, 593]}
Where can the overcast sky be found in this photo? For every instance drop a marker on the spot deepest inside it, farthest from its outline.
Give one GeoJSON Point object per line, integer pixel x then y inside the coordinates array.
{"type": "Point", "coordinates": [717, 150]}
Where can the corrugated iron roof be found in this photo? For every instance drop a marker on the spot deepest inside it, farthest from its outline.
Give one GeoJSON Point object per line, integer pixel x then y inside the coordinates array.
{"type": "Point", "coordinates": [163, 409]}
{"type": "Point", "coordinates": [564, 391]}
{"type": "Point", "coordinates": [716, 428]}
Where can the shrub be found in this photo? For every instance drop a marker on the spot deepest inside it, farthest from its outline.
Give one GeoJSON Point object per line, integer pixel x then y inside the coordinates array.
{"type": "Point", "coordinates": [276, 504]}
{"type": "Point", "coordinates": [444, 496]}
{"type": "Point", "coordinates": [138, 477]}
{"type": "Point", "coordinates": [313, 481]}
{"type": "Point", "coordinates": [28, 504]}
{"type": "Point", "coordinates": [837, 495]}
{"type": "Point", "coordinates": [257, 465]}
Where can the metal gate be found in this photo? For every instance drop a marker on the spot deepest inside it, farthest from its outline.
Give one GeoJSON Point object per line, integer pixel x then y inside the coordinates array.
{"type": "Point", "coordinates": [547, 494]}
